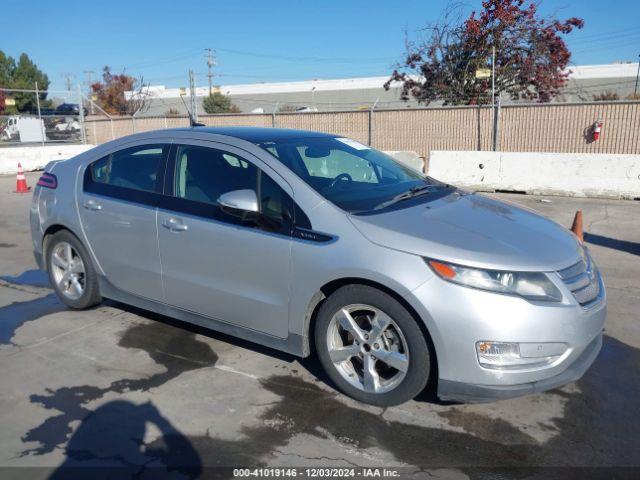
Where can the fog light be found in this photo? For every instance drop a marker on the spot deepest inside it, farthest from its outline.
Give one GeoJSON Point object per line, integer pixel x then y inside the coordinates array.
{"type": "Point", "coordinates": [494, 354]}
{"type": "Point", "coordinates": [512, 355]}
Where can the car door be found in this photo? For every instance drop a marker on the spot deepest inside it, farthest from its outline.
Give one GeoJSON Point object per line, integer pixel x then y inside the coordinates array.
{"type": "Point", "coordinates": [118, 206]}
{"type": "Point", "coordinates": [215, 263]}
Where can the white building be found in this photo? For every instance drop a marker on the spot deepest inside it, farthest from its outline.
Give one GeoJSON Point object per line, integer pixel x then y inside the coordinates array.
{"type": "Point", "coordinates": [358, 93]}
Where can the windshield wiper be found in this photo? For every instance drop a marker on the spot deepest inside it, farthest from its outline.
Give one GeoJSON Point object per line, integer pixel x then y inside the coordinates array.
{"type": "Point", "coordinates": [411, 193]}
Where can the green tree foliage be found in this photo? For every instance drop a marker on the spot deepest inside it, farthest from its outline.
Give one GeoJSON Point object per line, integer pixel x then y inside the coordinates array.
{"type": "Point", "coordinates": [219, 103]}
{"type": "Point", "coordinates": [22, 75]}
{"type": "Point", "coordinates": [7, 66]}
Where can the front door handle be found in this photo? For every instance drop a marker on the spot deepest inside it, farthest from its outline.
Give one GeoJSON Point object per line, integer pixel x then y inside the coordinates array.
{"type": "Point", "coordinates": [92, 205]}
{"type": "Point", "coordinates": [174, 225]}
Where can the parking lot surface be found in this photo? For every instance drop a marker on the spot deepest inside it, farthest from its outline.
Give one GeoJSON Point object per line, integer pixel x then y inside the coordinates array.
{"type": "Point", "coordinates": [117, 386]}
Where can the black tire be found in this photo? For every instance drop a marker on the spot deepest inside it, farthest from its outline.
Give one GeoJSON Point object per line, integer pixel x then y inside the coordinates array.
{"type": "Point", "coordinates": [91, 294]}
{"type": "Point", "coordinates": [417, 374]}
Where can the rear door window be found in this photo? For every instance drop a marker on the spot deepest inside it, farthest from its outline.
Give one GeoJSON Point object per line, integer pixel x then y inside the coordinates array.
{"type": "Point", "coordinates": [135, 168]}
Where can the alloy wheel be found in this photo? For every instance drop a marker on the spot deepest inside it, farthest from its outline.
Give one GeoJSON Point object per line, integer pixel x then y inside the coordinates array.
{"type": "Point", "coordinates": [367, 348]}
{"type": "Point", "coordinates": [68, 270]}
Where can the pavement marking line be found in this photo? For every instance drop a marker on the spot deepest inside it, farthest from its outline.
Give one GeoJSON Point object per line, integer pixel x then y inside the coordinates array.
{"type": "Point", "coordinates": [25, 288]}
{"type": "Point", "coordinates": [55, 337]}
{"type": "Point", "coordinates": [225, 368]}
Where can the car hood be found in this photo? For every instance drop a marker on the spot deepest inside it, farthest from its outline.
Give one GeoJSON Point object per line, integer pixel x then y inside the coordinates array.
{"type": "Point", "coordinates": [474, 230]}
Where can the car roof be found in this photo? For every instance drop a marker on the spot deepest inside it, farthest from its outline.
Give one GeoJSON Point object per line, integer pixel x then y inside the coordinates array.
{"type": "Point", "coordinates": [258, 134]}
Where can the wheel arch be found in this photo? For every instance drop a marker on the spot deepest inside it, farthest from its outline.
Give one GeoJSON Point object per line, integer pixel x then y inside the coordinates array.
{"type": "Point", "coordinates": [328, 288]}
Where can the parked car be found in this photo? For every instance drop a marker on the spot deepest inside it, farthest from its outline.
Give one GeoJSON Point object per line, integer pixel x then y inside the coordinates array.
{"type": "Point", "coordinates": [69, 109]}
{"type": "Point", "coordinates": [306, 109]}
{"type": "Point", "coordinates": [313, 243]}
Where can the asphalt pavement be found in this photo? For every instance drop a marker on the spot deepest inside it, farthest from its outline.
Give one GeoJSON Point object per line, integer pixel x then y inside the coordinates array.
{"type": "Point", "coordinates": [117, 386]}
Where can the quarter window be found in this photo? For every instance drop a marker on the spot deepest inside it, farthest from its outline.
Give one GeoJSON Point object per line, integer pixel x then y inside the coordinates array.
{"type": "Point", "coordinates": [134, 168]}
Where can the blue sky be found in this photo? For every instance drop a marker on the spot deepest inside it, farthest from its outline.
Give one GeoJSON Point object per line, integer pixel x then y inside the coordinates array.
{"type": "Point", "coordinates": [268, 40]}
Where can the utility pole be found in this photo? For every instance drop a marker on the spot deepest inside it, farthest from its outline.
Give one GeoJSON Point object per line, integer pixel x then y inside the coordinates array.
{"type": "Point", "coordinates": [635, 90]}
{"type": "Point", "coordinates": [67, 80]}
{"type": "Point", "coordinates": [88, 81]}
{"type": "Point", "coordinates": [211, 61]}
{"type": "Point", "coordinates": [496, 111]}
{"type": "Point", "coordinates": [192, 93]}
{"type": "Point", "coordinates": [493, 75]}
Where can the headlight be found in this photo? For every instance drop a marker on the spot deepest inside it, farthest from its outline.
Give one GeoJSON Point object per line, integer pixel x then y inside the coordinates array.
{"type": "Point", "coordinates": [529, 285]}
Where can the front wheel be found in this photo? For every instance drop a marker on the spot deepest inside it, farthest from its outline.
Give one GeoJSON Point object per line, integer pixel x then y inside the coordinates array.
{"type": "Point", "coordinates": [371, 346]}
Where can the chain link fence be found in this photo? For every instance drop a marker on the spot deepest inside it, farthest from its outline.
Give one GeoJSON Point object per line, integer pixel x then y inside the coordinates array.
{"type": "Point", "coordinates": [38, 122]}
{"type": "Point", "coordinates": [560, 128]}
{"type": "Point", "coordinates": [555, 127]}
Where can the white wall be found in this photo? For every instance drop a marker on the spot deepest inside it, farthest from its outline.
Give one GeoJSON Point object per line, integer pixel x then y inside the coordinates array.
{"type": "Point", "coordinates": [573, 174]}
{"type": "Point", "coordinates": [408, 158]}
{"type": "Point", "coordinates": [35, 158]}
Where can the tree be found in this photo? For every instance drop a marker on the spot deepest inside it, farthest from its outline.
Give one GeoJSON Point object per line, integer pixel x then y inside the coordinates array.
{"type": "Point", "coordinates": [287, 108]}
{"type": "Point", "coordinates": [120, 94]}
{"type": "Point", "coordinates": [24, 76]}
{"type": "Point", "coordinates": [7, 66]}
{"type": "Point", "coordinates": [216, 102]}
{"type": "Point", "coordinates": [530, 55]}
{"type": "Point", "coordinates": [606, 96]}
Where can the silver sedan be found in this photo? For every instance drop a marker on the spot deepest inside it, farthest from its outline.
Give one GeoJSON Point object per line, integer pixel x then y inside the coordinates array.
{"type": "Point", "coordinates": [313, 243]}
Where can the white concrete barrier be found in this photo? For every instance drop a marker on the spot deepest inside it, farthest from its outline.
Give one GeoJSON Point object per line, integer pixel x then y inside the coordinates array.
{"type": "Point", "coordinates": [571, 174]}
{"type": "Point", "coordinates": [35, 158]}
{"type": "Point", "coordinates": [408, 158]}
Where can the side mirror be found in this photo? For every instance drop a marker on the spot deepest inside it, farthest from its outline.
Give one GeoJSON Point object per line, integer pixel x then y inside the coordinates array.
{"type": "Point", "coordinates": [239, 203]}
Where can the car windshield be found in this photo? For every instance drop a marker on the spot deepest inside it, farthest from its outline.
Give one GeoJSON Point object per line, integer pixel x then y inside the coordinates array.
{"type": "Point", "coordinates": [351, 175]}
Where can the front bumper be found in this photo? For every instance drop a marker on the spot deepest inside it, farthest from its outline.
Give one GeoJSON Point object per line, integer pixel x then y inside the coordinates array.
{"type": "Point", "coordinates": [470, 393]}
{"type": "Point", "coordinates": [458, 317]}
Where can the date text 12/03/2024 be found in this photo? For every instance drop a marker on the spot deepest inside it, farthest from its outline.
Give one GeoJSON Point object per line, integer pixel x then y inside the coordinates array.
{"type": "Point", "coordinates": [313, 472]}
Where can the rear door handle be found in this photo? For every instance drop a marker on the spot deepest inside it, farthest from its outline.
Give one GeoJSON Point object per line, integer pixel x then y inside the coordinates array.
{"type": "Point", "coordinates": [174, 224]}
{"type": "Point", "coordinates": [92, 205]}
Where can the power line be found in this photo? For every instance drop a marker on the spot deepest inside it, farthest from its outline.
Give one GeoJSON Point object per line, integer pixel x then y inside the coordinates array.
{"type": "Point", "coordinates": [624, 31]}
{"type": "Point", "coordinates": [304, 58]}
{"type": "Point", "coordinates": [605, 46]}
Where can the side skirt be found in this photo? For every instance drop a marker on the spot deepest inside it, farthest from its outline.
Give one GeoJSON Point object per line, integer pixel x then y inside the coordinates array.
{"type": "Point", "coordinates": [293, 344]}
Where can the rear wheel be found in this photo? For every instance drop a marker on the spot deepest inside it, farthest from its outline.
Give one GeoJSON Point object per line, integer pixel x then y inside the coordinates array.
{"type": "Point", "coordinates": [71, 272]}
{"type": "Point", "coordinates": [371, 346]}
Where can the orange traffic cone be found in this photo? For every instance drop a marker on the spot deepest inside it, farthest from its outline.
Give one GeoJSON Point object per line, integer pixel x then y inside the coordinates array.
{"type": "Point", "coordinates": [21, 181]}
{"type": "Point", "coordinates": [577, 226]}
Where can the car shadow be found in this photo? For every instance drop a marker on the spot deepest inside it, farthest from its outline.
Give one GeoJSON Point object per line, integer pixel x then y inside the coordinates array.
{"type": "Point", "coordinates": [34, 309]}
{"type": "Point", "coordinates": [311, 363]}
{"type": "Point", "coordinates": [614, 243]}
{"type": "Point", "coordinates": [31, 278]}
{"type": "Point", "coordinates": [110, 443]}
{"type": "Point", "coordinates": [197, 329]}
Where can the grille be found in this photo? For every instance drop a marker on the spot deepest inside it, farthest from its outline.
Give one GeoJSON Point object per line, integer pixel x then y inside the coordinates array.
{"type": "Point", "coordinates": [582, 280]}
